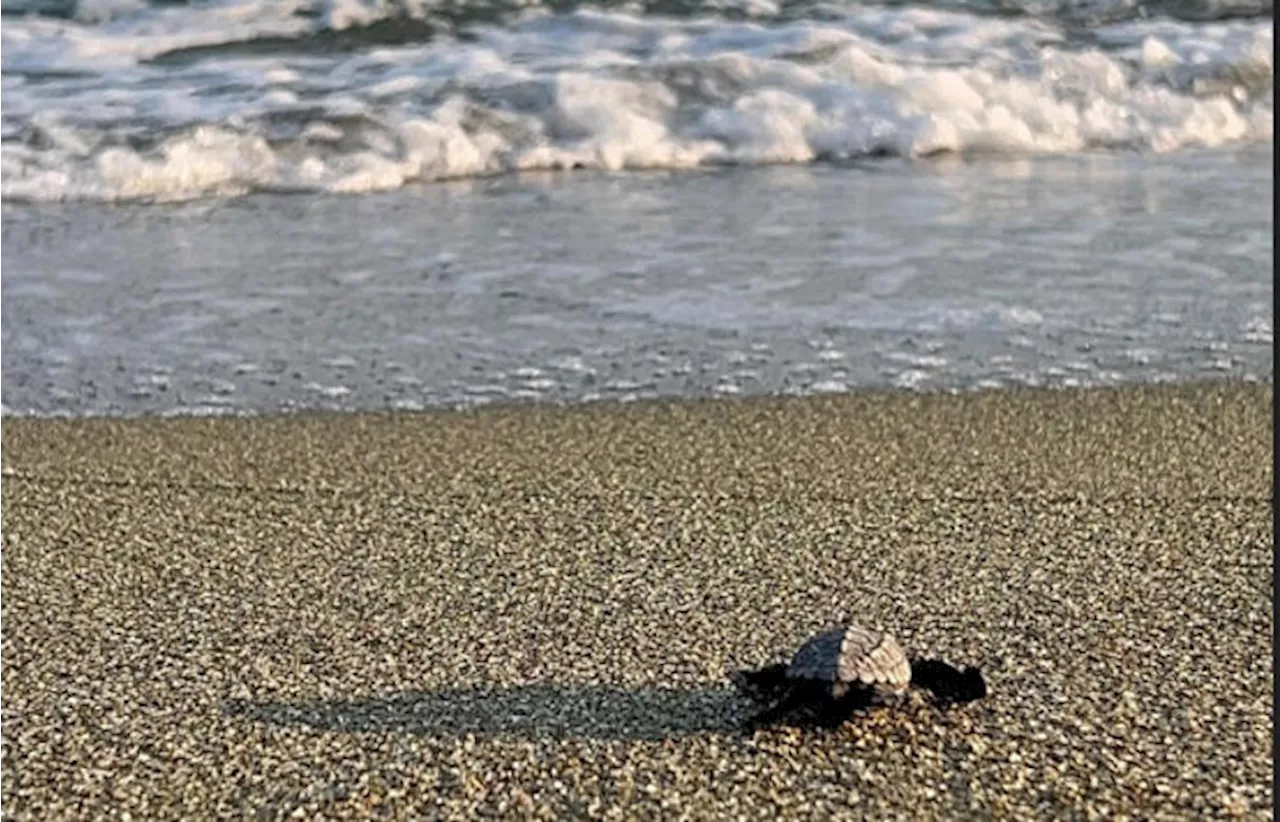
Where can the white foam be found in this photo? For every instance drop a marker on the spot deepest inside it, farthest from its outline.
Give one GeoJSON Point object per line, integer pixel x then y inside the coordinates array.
{"type": "Point", "coordinates": [593, 89]}
{"type": "Point", "coordinates": [330, 391]}
{"type": "Point", "coordinates": [912, 379]}
{"type": "Point", "coordinates": [1259, 330]}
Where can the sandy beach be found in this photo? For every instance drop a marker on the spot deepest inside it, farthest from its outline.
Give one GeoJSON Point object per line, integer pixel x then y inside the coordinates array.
{"type": "Point", "coordinates": [532, 612]}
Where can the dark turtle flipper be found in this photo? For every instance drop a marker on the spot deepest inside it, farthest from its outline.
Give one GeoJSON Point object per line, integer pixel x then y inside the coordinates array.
{"type": "Point", "coordinates": [831, 714]}
{"type": "Point", "coordinates": [947, 683]}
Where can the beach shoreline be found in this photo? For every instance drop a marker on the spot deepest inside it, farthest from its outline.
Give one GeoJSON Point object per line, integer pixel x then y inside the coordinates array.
{"type": "Point", "coordinates": [978, 273]}
{"type": "Point", "coordinates": [532, 611]}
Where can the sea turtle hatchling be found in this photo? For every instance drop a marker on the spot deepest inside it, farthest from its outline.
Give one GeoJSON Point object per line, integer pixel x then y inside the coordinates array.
{"type": "Point", "coordinates": [851, 667]}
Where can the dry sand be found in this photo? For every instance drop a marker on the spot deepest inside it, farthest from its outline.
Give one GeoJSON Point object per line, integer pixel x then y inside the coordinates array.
{"type": "Point", "coordinates": [532, 612]}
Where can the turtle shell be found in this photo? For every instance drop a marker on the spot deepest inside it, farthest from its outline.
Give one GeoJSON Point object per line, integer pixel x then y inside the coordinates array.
{"type": "Point", "coordinates": [851, 656]}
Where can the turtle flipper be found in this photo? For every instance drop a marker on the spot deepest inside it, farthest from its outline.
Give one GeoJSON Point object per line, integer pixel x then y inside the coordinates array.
{"type": "Point", "coordinates": [947, 683]}
{"type": "Point", "coordinates": [832, 713]}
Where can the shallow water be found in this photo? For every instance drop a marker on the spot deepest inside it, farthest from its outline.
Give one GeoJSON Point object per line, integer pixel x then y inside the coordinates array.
{"type": "Point", "coordinates": [929, 274]}
{"type": "Point", "coordinates": [215, 206]}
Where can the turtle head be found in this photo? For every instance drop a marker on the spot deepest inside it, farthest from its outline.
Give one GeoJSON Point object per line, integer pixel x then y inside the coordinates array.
{"type": "Point", "coordinates": [970, 685]}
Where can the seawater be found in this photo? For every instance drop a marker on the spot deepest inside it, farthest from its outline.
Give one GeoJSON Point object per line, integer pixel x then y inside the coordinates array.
{"type": "Point", "coordinates": [126, 100]}
{"type": "Point", "coordinates": [222, 207]}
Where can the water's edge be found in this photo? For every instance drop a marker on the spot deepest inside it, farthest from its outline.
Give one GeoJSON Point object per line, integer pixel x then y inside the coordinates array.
{"type": "Point", "coordinates": [793, 280]}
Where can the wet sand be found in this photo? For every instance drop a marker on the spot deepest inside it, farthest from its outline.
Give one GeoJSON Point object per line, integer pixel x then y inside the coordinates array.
{"type": "Point", "coordinates": [532, 612]}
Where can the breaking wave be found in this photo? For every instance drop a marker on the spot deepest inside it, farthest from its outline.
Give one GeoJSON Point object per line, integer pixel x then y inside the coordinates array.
{"type": "Point", "coordinates": [120, 100]}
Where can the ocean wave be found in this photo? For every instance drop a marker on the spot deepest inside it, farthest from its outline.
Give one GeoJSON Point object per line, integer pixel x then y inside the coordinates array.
{"type": "Point", "coordinates": [105, 111]}
{"type": "Point", "coordinates": [337, 15]}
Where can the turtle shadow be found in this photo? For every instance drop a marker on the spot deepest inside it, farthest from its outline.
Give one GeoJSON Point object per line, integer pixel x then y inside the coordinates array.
{"type": "Point", "coordinates": [534, 711]}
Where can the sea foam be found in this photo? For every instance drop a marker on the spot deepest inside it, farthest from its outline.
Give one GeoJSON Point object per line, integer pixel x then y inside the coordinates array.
{"type": "Point", "coordinates": [224, 98]}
